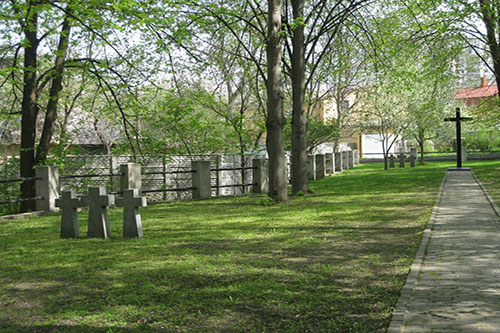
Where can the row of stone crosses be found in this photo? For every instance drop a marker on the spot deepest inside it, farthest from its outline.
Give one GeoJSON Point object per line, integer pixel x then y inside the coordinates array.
{"type": "Point", "coordinates": [98, 202]}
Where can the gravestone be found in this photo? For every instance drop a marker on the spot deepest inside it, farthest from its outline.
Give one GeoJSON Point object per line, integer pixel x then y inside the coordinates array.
{"type": "Point", "coordinates": [98, 202]}
{"type": "Point", "coordinates": [391, 162]}
{"type": "Point", "coordinates": [131, 202]}
{"type": "Point", "coordinates": [68, 204]}
{"type": "Point", "coordinates": [412, 161]}
{"type": "Point", "coordinates": [402, 160]}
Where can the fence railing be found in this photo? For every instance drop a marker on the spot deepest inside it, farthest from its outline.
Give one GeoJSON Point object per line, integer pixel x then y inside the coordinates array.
{"type": "Point", "coordinates": [10, 201]}
{"type": "Point", "coordinates": [204, 181]}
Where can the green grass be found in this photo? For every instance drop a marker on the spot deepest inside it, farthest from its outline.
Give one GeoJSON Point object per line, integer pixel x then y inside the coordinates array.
{"type": "Point", "coordinates": [489, 174]}
{"type": "Point", "coordinates": [332, 261]}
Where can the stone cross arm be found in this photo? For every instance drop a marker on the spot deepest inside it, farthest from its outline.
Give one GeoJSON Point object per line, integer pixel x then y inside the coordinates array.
{"type": "Point", "coordinates": [131, 198]}
{"type": "Point", "coordinates": [97, 196]}
{"type": "Point", "coordinates": [69, 200]}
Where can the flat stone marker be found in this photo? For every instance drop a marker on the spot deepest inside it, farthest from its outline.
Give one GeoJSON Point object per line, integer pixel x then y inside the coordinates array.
{"type": "Point", "coordinates": [98, 202]}
{"type": "Point", "coordinates": [68, 204]}
{"type": "Point", "coordinates": [131, 202]}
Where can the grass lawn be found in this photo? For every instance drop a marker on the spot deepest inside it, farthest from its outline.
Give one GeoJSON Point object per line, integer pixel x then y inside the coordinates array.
{"type": "Point", "coordinates": [489, 174]}
{"type": "Point", "coordinates": [331, 261]}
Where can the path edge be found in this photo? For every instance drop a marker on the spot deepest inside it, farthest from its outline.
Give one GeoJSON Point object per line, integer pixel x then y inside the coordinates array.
{"type": "Point", "coordinates": [488, 196]}
{"type": "Point", "coordinates": [397, 319]}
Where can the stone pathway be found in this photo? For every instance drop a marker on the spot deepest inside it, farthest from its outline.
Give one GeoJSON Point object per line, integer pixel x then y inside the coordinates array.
{"type": "Point", "coordinates": [454, 283]}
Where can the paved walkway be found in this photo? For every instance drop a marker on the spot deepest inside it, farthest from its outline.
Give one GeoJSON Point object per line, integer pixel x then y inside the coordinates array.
{"type": "Point", "coordinates": [454, 283]}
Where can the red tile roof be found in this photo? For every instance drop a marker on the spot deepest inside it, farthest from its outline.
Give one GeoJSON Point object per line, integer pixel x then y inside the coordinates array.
{"type": "Point", "coordinates": [476, 92]}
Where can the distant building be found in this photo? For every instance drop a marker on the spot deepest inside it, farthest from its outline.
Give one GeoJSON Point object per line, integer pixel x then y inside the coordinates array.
{"type": "Point", "coordinates": [476, 95]}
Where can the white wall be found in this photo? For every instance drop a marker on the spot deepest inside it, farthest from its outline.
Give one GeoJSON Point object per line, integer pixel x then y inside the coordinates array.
{"type": "Point", "coordinates": [372, 145]}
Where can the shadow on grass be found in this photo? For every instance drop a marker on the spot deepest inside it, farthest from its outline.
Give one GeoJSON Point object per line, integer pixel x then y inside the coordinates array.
{"type": "Point", "coordinates": [331, 261]}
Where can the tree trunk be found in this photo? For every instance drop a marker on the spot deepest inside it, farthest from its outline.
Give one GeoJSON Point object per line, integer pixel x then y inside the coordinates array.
{"type": "Point", "coordinates": [491, 18]}
{"type": "Point", "coordinates": [385, 152]}
{"type": "Point", "coordinates": [29, 112]}
{"type": "Point", "coordinates": [56, 87]}
{"type": "Point", "coordinates": [421, 141]}
{"type": "Point", "coordinates": [275, 122]}
{"type": "Point", "coordinates": [299, 118]}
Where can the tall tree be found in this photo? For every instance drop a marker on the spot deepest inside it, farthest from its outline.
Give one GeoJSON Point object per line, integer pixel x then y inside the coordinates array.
{"type": "Point", "coordinates": [490, 14]}
{"type": "Point", "coordinates": [323, 20]}
{"type": "Point", "coordinates": [275, 122]}
{"type": "Point", "coordinates": [37, 24]}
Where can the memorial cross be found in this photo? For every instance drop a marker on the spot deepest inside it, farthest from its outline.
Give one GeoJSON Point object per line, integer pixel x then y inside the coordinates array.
{"type": "Point", "coordinates": [131, 202]}
{"type": "Point", "coordinates": [69, 214]}
{"type": "Point", "coordinates": [98, 202]}
{"type": "Point", "coordinates": [458, 119]}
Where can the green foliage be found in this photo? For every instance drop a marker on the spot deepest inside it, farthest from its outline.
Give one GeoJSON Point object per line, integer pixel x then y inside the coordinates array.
{"type": "Point", "coordinates": [482, 140]}
{"type": "Point", "coordinates": [318, 132]}
{"type": "Point", "coordinates": [9, 169]}
{"type": "Point", "coordinates": [177, 124]}
{"type": "Point", "coordinates": [266, 202]}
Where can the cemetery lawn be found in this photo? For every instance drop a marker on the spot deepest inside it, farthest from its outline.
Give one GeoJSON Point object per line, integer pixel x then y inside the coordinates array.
{"type": "Point", "coordinates": [332, 261]}
{"type": "Point", "coordinates": [489, 174]}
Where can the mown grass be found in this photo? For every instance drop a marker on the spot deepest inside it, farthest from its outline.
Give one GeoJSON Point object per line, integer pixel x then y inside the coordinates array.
{"type": "Point", "coordinates": [332, 261]}
{"type": "Point", "coordinates": [489, 174]}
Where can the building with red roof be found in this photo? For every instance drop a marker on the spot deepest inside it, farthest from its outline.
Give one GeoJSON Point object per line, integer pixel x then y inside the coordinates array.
{"type": "Point", "coordinates": [476, 95]}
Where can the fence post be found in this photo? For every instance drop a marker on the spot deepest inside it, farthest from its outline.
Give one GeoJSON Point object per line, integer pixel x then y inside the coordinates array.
{"type": "Point", "coordinates": [329, 163]}
{"type": "Point", "coordinates": [112, 168]}
{"type": "Point", "coordinates": [47, 186]}
{"type": "Point", "coordinates": [201, 179]}
{"type": "Point", "coordinates": [356, 156]}
{"type": "Point", "coordinates": [260, 175]}
{"type": "Point", "coordinates": [345, 160]}
{"type": "Point", "coordinates": [217, 175]}
{"type": "Point", "coordinates": [164, 176]}
{"type": "Point", "coordinates": [130, 176]}
{"type": "Point", "coordinates": [350, 158]}
{"type": "Point", "coordinates": [320, 165]}
{"type": "Point", "coordinates": [311, 167]}
{"type": "Point", "coordinates": [338, 161]}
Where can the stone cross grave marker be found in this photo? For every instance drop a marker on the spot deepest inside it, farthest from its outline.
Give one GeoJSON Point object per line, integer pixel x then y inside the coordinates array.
{"type": "Point", "coordinates": [69, 214]}
{"type": "Point", "coordinates": [131, 202]}
{"type": "Point", "coordinates": [98, 202]}
{"type": "Point", "coordinates": [458, 120]}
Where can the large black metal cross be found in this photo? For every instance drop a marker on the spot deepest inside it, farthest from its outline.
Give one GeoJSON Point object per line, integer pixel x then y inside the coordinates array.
{"type": "Point", "coordinates": [458, 119]}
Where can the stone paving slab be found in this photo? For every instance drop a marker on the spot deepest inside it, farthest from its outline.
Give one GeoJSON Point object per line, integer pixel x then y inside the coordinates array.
{"type": "Point", "coordinates": [454, 282]}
